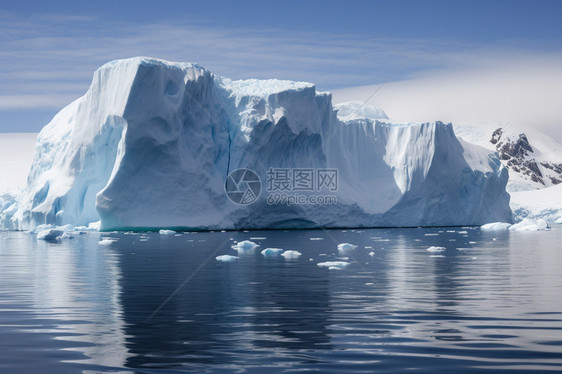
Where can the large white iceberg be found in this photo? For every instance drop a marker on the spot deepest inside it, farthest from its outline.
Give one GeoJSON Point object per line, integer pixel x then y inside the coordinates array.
{"type": "Point", "coordinates": [151, 143]}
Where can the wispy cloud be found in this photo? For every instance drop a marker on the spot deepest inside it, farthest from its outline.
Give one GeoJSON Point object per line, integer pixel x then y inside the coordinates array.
{"type": "Point", "coordinates": [46, 61]}
{"type": "Point", "coordinates": [54, 54]}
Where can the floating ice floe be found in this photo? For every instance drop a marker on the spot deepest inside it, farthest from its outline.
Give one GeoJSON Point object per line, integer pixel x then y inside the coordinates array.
{"type": "Point", "coordinates": [346, 247]}
{"type": "Point", "coordinates": [272, 252]}
{"type": "Point", "coordinates": [166, 232]}
{"type": "Point", "coordinates": [245, 246]}
{"type": "Point", "coordinates": [434, 249]}
{"type": "Point", "coordinates": [371, 254]}
{"type": "Point", "coordinates": [530, 224]}
{"type": "Point", "coordinates": [226, 258]}
{"type": "Point", "coordinates": [334, 265]}
{"type": "Point", "coordinates": [50, 235]}
{"type": "Point", "coordinates": [291, 255]}
{"type": "Point", "coordinates": [495, 226]}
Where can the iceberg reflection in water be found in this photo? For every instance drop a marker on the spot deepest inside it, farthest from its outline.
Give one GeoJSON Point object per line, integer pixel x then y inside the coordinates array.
{"type": "Point", "coordinates": [162, 303]}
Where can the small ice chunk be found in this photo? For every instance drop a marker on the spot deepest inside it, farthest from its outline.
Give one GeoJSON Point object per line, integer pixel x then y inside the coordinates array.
{"type": "Point", "coordinates": [431, 234]}
{"type": "Point", "coordinates": [334, 265]}
{"type": "Point", "coordinates": [462, 232]}
{"type": "Point", "coordinates": [272, 252]}
{"type": "Point", "coordinates": [530, 224]}
{"type": "Point", "coordinates": [346, 247]}
{"type": "Point", "coordinates": [106, 241]}
{"type": "Point", "coordinates": [226, 258]}
{"type": "Point", "coordinates": [437, 256]}
{"type": "Point", "coordinates": [316, 239]}
{"type": "Point", "coordinates": [435, 249]}
{"type": "Point", "coordinates": [166, 232]}
{"type": "Point", "coordinates": [67, 235]}
{"type": "Point", "coordinates": [50, 234]}
{"type": "Point", "coordinates": [371, 254]}
{"type": "Point", "coordinates": [258, 238]}
{"type": "Point", "coordinates": [495, 226]}
{"type": "Point", "coordinates": [291, 255]}
{"type": "Point", "coordinates": [94, 226]}
{"type": "Point", "coordinates": [245, 246]}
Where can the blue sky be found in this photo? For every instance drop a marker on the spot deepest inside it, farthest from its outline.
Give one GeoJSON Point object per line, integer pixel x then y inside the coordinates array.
{"type": "Point", "coordinates": [48, 51]}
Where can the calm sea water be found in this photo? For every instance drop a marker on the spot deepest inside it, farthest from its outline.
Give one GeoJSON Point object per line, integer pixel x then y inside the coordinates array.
{"type": "Point", "coordinates": [151, 303]}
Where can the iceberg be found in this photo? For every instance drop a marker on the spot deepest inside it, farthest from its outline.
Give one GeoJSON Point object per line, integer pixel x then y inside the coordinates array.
{"type": "Point", "coordinates": [50, 235]}
{"type": "Point", "coordinates": [245, 247]}
{"type": "Point", "coordinates": [152, 144]}
{"type": "Point", "coordinates": [291, 255]}
{"type": "Point", "coordinates": [333, 265]}
{"type": "Point", "coordinates": [226, 258]}
{"type": "Point", "coordinates": [434, 249]}
{"type": "Point", "coordinates": [272, 252]}
{"type": "Point", "coordinates": [495, 226]}
{"type": "Point", "coordinates": [344, 247]}
{"type": "Point", "coordinates": [530, 224]}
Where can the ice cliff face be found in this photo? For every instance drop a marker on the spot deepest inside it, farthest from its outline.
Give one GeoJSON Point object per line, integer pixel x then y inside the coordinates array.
{"type": "Point", "coordinates": [151, 144]}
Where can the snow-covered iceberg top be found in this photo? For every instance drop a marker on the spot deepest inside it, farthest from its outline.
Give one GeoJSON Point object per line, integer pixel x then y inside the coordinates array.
{"type": "Point", "coordinates": [356, 109]}
{"type": "Point", "coordinates": [152, 144]}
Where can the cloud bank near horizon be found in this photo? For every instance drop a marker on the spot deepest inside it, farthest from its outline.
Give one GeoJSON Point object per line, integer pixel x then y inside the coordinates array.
{"type": "Point", "coordinates": [524, 92]}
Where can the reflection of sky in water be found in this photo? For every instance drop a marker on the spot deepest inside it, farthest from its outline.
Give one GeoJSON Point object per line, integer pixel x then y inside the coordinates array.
{"type": "Point", "coordinates": [490, 299]}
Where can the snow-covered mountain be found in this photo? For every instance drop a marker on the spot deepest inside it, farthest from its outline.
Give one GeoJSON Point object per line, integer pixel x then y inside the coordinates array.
{"type": "Point", "coordinates": [151, 144]}
{"type": "Point", "coordinates": [534, 160]}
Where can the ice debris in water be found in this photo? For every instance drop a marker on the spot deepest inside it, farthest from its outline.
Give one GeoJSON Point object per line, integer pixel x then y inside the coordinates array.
{"type": "Point", "coordinates": [530, 224]}
{"type": "Point", "coordinates": [226, 258]}
{"type": "Point", "coordinates": [435, 249]}
{"type": "Point", "coordinates": [334, 265]}
{"type": "Point", "coordinates": [50, 234]}
{"type": "Point", "coordinates": [346, 247]}
{"type": "Point", "coordinates": [291, 255]}
{"type": "Point", "coordinates": [166, 232]}
{"type": "Point", "coordinates": [245, 246]}
{"type": "Point", "coordinates": [272, 252]}
{"type": "Point", "coordinates": [495, 226]}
